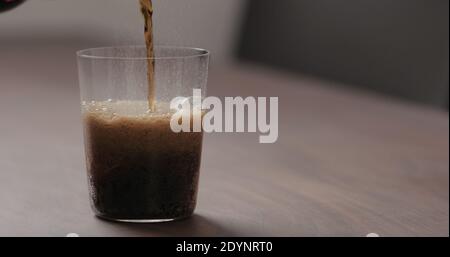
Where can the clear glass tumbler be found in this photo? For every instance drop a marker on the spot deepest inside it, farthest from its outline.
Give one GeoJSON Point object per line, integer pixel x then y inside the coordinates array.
{"type": "Point", "coordinates": [139, 170]}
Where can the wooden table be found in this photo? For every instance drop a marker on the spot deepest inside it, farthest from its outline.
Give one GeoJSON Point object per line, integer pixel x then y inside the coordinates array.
{"type": "Point", "coordinates": [347, 163]}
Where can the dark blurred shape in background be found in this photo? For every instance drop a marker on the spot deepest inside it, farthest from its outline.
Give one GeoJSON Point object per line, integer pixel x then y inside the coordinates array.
{"type": "Point", "coordinates": [400, 48]}
{"type": "Point", "coordinates": [9, 4]}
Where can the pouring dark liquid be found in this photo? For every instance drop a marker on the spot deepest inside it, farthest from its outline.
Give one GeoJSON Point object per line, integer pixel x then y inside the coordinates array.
{"type": "Point", "coordinates": [6, 5]}
{"type": "Point", "coordinates": [147, 13]}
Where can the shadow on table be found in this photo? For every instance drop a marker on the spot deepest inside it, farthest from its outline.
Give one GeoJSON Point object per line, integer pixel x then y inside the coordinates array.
{"type": "Point", "coordinates": [196, 225]}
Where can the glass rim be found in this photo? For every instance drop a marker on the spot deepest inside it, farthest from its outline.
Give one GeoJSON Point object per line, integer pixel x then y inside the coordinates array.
{"type": "Point", "coordinates": [198, 52]}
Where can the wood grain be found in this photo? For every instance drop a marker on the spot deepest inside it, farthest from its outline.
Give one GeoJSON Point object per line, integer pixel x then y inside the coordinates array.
{"type": "Point", "coordinates": [346, 163]}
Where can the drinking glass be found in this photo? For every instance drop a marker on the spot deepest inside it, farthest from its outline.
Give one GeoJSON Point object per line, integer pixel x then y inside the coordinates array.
{"type": "Point", "coordinates": [138, 169]}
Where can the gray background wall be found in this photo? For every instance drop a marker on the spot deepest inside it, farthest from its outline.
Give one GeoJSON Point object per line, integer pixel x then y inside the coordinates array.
{"type": "Point", "coordinates": [211, 24]}
{"type": "Point", "coordinates": [398, 47]}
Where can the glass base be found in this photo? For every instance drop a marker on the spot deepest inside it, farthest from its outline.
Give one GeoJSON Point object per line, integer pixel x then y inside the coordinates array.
{"type": "Point", "coordinates": [141, 220]}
